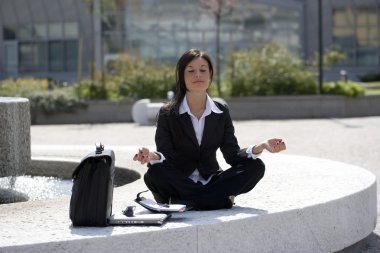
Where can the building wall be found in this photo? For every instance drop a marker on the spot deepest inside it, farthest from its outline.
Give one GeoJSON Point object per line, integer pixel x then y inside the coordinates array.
{"type": "Point", "coordinates": [51, 37]}
{"type": "Point", "coordinates": [43, 38]}
{"type": "Point", "coordinates": [356, 18]}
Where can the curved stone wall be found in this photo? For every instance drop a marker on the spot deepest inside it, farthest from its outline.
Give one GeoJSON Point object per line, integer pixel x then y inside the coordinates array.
{"type": "Point", "coordinates": [15, 152]}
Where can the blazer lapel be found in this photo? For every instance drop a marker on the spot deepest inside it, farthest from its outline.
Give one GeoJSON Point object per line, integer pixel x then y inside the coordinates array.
{"type": "Point", "coordinates": [188, 128]}
{"type": "Point", "coordinates": [211, 122]}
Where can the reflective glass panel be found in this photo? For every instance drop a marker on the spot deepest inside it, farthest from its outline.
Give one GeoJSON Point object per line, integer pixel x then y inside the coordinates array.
{"type": "Point", "coordinates": [71, 55]}
{"type": "Point", "coordinates": [164, 29]}
{"type": "Point", "coordinates": [71, 30]}
{"type": "Point", "coordinates": [56, 56]}
{"type": "Point", "coordinates": [55, 31]}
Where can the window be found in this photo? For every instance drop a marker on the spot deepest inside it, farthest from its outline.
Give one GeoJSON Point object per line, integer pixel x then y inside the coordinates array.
{"type": "Point", "coordinates": [71, 30]}
{"type": "Point", "coordinates": [164, 29]}
{"type": "Point", "coordinates": [55, 31]}
{"type": "Point", "coordinates": [41, 47]}
{"type": "Point", "coordinates": [63, 55]}
{"type": "Point", "coordinates": [32, 56]}
{"type": "Point", "coordinates": [56, 56]}
{"type": "Point", "coordinates": [9, 33]}
{"type": "Point", "coordinates": [71, 55]}
{"type": "Point", "coordinates": [356, 33]}
{"type": "Point", "coordinates": [40, 31]}
{"type": "Point", "coordinates": [11, 57]}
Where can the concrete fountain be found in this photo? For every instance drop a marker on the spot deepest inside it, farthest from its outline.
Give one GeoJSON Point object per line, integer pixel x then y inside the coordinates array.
{"type": "Point", "coordinates": [325, 207]}
{"type": "Point", "coordinates": [15, 154]}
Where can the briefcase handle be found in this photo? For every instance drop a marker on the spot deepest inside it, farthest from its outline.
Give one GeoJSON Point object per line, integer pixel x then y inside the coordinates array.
{"type": "Point", "coordinates": [99, 148]}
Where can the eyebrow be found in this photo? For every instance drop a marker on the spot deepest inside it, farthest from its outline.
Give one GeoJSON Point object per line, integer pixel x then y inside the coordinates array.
{"type": "Point", "coordinates": [189, 66]}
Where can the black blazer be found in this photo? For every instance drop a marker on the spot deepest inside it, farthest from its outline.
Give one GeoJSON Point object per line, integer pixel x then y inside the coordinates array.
{"type": "Point", "coordinates": [175, 139]}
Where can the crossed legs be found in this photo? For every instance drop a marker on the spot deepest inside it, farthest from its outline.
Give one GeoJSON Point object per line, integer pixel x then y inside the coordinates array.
{"type": "Point", "coordinates": [168, 183]}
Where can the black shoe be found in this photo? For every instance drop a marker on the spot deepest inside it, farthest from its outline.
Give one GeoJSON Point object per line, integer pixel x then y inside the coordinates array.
{"type": "Point", "coordinates": [230, 202]}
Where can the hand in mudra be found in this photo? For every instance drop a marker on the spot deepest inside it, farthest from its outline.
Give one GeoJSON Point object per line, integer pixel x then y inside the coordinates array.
{"type": "Point", "coordinates": [274, 145]}
{"type": "Point", "coordinates": [143, 156]}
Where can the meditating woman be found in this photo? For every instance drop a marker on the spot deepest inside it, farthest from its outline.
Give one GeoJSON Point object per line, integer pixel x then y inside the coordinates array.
{"type": "Point", "coordinates": [190, 129]}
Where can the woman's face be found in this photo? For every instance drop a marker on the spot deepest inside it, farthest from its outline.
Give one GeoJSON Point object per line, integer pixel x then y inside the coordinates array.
{"type": "Point", "coordinates": [197, 75]}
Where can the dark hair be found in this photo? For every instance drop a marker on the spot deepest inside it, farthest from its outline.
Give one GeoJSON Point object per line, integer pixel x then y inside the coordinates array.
{"type": "Point", "coordinates": [183, 61]}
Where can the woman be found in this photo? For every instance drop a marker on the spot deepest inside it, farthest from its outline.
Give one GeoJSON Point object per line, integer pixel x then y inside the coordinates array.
{"type": "Point", "coordinates": [190, 129]}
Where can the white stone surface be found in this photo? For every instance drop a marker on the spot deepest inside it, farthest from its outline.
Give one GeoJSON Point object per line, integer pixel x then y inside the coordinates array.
{"type": "Point", "coordinates": [303, 204]}
{"type": "Point", "coordinates": [144, 112]}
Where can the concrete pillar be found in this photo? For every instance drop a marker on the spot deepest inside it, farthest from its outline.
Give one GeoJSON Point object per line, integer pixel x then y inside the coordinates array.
{"type": "Point", "coordinates": [15, 152]}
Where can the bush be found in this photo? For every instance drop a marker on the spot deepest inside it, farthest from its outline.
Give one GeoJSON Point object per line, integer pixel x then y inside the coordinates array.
{"type": "Point", "coordinates": [349, 88]}
{"type": "Point", "coordinates": [99, 89]}
{"type": "Point", "coordinates": [22, 87]}
{"type": "Point", "coordinates": [141, 78]}
{"type": "Point", "coordinates": [370, 77]}
{"type": "Point", "coordinates": [128, 77]}
{"type": "Point", "coordinates": [268, 70]}
{"type": "Point", "coordinates": [42, 96]}
{"type": "Point", "coordinates": [58, 101]}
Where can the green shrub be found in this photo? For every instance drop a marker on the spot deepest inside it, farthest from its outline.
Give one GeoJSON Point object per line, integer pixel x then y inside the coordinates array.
{"type": "Point", "coordinates": [57, 101]}
{"type": "Point", "coordinates": [141, 78]}
{"type": "Point", "coordinates": [350, 89]}
{"type": "Point", "coordinates": [22, 87]}
{"type": "Point", "coordinates": [88, 89]}
{"type": "Point", "coordinates": [268, 70]}
{"type": "Point", "coordinates": [42, 96]}
{"type": "Point", "coordinates": [128, 77]}
{"type": "Point", "coordinates": [370, 77]}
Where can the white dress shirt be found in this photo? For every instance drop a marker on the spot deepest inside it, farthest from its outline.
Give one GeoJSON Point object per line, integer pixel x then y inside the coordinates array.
{"type": "Point", "coordinates": [199, 125]}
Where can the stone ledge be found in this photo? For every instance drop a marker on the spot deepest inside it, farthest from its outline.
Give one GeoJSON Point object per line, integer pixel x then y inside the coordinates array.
{"type": "Point", "coordinates": [303, 204]}
{"type": "Point", "coordinates": [266, 107]}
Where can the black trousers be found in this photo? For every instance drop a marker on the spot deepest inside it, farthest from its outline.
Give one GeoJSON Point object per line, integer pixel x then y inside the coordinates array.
{"type": "Point", "coordinates": [168, 183]}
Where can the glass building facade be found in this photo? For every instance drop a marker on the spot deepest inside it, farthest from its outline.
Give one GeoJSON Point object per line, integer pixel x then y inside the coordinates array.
{"type": "Point", "coordinates": [61, 38]}
{"type": "Point", "coordinates": [356, 32]}
{"type": "Point", "coordinates": [41, 38]}
{"type": "Point", "coordinates": [164, 29]}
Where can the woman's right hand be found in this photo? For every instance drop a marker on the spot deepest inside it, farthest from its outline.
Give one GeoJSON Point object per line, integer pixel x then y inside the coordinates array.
{"type": "Point", "coordinates": [145, 156]}
{"type": "Point", "coordinates": [274, 145]}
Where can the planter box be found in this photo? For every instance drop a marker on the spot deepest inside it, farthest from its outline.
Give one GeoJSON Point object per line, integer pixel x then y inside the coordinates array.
{"type": "Point", "coordinates": [241, 108]}
{"type": "Point", "coordinates": [285, 107]}
{"type": "Point", "coordinates": [99, 111]}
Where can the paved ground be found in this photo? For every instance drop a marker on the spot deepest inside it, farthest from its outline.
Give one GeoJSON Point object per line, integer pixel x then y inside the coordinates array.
{"type": "Point", "coordinates": [351, 140]}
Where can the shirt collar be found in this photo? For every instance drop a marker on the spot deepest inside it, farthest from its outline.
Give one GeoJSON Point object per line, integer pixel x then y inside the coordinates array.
{"type": "Point", "coordinates": [210, 107]}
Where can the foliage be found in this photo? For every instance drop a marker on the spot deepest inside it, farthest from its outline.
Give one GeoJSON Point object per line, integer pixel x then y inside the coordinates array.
{"type": "Point", "coordinates": [348, 88]}
{"type": "Point", "coordinates": [129, 77]}
{"type": "Point", "coordinates": [268, 70]}
{"type": "Point", "coordinates": [22, 87]}
{"type": "Point", "coordinates": [141, 78]}
{"type": "Point", "coordinates": [104, 6]}
{"type": "Point", "coordinates": [330, 58]}
{"type": "Point", "coordinates": [42, 94]}
{"type": "Point", "coordinates": [97, 89]}
{"type": "Point", "coordinates": [372, 88]}
{"type": "Point", "coordinates": [57, 101]}
{"type": "Point", "coordinates": [370, 77]}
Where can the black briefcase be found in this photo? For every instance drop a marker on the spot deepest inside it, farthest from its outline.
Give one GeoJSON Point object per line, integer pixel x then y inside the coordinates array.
{"type": "Point", "coordinates": [92, 192]}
